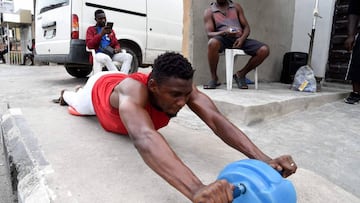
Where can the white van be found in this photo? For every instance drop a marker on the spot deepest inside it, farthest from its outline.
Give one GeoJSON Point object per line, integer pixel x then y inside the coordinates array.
{"type": "Point", "coordinates": [145, 28]}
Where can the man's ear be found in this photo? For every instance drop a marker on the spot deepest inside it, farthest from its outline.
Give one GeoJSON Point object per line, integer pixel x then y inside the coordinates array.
{"type": "Point", "coordinates": [152, 84]}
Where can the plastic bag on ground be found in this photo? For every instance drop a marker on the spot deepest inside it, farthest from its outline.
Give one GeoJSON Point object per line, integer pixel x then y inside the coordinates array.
{"type": "Point", "coordinates": [304, 80]}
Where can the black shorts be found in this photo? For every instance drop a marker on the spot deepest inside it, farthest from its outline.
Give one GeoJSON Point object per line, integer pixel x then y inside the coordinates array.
{"type": "Point", "coordinates": [250, 46]}
{"type": "Point", "coordinates": [354, 71]}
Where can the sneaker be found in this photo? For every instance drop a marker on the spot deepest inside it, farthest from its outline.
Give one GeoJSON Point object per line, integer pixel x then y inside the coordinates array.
{"type": "Point", "coordinates": [353, 98]}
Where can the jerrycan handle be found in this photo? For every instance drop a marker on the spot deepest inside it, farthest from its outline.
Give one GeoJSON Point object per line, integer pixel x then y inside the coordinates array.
{"type": "Point", "coordinates": [239, 190]}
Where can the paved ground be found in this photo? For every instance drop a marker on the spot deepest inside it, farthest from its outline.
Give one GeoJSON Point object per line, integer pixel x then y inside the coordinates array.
{"type": "Point", "coordinates": [77, 161]}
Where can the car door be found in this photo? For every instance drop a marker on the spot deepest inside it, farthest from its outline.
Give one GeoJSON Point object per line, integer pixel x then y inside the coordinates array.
{"type": "Point", "coordinates": [53, 27]}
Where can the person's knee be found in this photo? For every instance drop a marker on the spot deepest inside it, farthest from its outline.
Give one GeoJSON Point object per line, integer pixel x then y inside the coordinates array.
{"type": "Point", "coordinates": [214, 45]}
{"type": "Point", "coordinates": [263, 51]}
{"type": "Point", "coordinates": [107, 59]}
{"type": "Point", "coordinates": [129, 57]}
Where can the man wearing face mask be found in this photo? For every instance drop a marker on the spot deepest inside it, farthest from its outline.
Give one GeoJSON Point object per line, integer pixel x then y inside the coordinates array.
{"type": "Point", "coordinates": [100, 37]}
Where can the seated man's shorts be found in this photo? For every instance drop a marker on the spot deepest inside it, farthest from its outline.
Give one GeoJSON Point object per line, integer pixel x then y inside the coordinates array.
{"type": "Point", "coordinates": [250, 46]}
{"type": "Point", "coordinates": [354, 71]}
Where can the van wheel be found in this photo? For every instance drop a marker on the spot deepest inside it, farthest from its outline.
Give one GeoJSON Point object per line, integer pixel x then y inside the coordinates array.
{"type": "Point", "coordinates": [135, 60]}
{"type": "Point", "coordinates": [78, 70]}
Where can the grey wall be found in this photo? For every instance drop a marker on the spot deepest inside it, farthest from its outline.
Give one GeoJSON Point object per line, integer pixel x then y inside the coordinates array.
{"type": "Point", "coordinates": [270, 22]}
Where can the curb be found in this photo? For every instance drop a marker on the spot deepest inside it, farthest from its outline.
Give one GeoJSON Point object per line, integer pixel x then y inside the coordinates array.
{"type": "Point", "coordinates": [28, 166]}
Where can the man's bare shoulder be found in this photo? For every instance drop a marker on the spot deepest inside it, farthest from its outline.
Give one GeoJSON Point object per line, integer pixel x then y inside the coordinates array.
{"type": "Point", "coordinates": [195, 94]}
{"type": "Point", "coordinates": [238, 6]}
{"type": "Point", "coordinates": [129, 85]}
{"type": "Point", "coordinates": [207, 12]}
{"type": "Point", "coordinates": [132, 88]}
{"type": "Point", "coordinates": [129, 90]}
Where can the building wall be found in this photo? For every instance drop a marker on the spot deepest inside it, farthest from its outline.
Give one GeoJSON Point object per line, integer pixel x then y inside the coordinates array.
{"type": "Point", "coordinates": [283, 25]}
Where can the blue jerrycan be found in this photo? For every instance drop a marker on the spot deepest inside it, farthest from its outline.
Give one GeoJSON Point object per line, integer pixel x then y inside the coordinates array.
{"type": "Point", "coordinates": [257, 182]}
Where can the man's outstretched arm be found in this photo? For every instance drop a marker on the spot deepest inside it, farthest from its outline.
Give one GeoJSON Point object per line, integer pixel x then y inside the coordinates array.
{"type": "Point", "coordinates": [156, 152]}
{"type": "Point", "coordinates": [203, 106]}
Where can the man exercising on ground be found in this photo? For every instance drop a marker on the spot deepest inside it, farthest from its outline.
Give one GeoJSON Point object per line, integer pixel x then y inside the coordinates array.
{"type": "Point", "coordinates": [138, 105]}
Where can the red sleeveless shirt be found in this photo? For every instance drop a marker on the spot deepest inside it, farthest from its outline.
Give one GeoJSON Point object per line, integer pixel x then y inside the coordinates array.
{"type": "Point", "coordinates": [108, 116]}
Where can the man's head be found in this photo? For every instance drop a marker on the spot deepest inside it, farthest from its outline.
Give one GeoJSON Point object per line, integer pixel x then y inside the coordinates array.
{"type": "Point", "coordinates": [170, 82]}
{"type": "Point", "coordinates": [100, 18]}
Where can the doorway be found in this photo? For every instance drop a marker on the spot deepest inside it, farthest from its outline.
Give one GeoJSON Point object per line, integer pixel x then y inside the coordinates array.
{"type": "Point", "coordinates": [338, 56]}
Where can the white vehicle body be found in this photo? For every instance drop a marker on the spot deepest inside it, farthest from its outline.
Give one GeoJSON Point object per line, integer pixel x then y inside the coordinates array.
{"type": "Point", "coordinates": [145, 28]}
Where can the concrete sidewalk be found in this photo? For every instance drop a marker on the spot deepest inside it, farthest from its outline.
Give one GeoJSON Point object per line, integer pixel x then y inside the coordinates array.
{"type": "Point", "coordinates": [87, 164]}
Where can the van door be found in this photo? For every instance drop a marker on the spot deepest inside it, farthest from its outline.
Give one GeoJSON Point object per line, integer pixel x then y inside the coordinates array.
{"type": "Point", "coordinates": [164, 26]}
{"type": "Point", "coordinates": [53, 26]}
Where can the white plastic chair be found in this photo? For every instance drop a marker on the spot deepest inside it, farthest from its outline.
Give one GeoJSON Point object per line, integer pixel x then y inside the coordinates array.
{"type": "Point", "coordinates": [96, 65]}
{"type": "Point", "coordinates": [230, 55]}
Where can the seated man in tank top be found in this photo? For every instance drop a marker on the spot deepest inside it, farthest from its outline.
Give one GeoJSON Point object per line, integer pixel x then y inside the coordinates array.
{"type": "Point", "coordinates": [227, 27]}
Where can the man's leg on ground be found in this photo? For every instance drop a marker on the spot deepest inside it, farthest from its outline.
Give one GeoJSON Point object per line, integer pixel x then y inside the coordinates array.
{"type": "Point", "coordinates": [2, 58]}
{"type": "Point", "coordinates": [259, 53]}
{"type": "Point", "coordinates": [32, 59]}
{"type": "Point", "coordinates": [354, 96]}
{"type": "Point", "coordinates": [24, 59]}
{"type": "Point", "coordinates": [214, 46]}
{"type": "Point", "coordinates": [356, 87]}
{"type": "Point", "coordinates": [354, 74]}
{"type": "Point", "coordinates": [126, 60]}
{"type": "Point", "coordinates": [254, 61]}
{"type": "Point", "coordinates": [81, 100]}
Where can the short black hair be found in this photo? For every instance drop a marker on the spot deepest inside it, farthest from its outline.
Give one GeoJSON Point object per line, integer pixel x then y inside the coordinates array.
{"type": "Point", "coordinates": [171, 64]}
{"type": "Point", "coordinates": [98, 12]}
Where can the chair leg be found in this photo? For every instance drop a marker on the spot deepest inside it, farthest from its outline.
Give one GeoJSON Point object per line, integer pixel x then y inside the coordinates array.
{"type": "Point", "coordinates": [256, 78]}
{"type": "Point", "coordinates": [229, 58]}
{"type": "Point", "coordinates": [96, 67]}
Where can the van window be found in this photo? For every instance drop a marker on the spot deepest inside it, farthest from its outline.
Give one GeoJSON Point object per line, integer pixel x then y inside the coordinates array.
{"type": "Point", "coordinates": [46, 5]}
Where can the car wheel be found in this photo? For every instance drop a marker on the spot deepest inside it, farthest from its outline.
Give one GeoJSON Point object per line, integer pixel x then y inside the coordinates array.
{"type": "Point", "coordinates": [78, 70]}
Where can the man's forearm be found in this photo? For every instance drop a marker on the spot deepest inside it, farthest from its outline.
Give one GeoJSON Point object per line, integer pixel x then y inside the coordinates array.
{"type": "Point", "coordinates": [246, 33]}
{"type": "Point", "coordinates": [154, 149]}
{"type": "Point", "coordinates": [235, 138]}
{"type": "Point", "coordinates": [160, 158]}
{"type": "Point", "coordinates": [218, 33]}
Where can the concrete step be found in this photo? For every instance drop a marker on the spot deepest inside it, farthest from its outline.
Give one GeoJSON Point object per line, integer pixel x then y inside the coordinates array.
{"type": "Point", "coordinates": [270, 100]}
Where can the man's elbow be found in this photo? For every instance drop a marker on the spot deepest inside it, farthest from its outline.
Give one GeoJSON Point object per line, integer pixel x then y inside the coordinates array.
{"type": "Point", "coordinates": [143, 143]}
